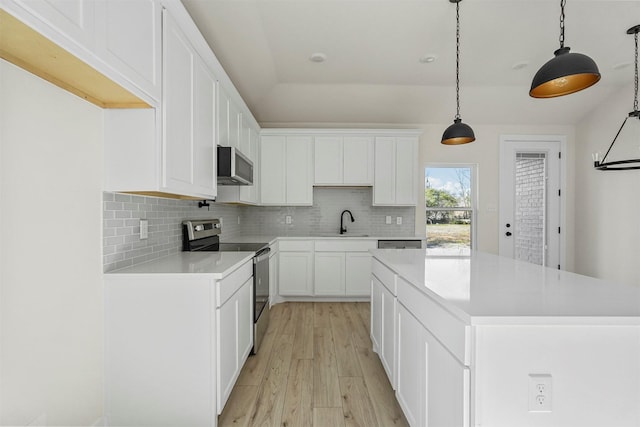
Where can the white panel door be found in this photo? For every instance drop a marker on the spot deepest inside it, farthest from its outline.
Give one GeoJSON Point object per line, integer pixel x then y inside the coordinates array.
{"type": "Point", "coordinates": [358, 160]}
{"type": "Point", "coordinates": [296, 273]}
{"type": "Point", "coordinates": [531, 199]}
{"type": "Point", "coordinates": [74, 18]}
{"type": "Point", "coordinates": [272, 170]}
{"type": "Point", "coordinates": [223, 117]}
{"type": "Point", "coordinates": [388, 353]}
{"type": "Point", "coordinates": [328, 160]}
{"type": "Point", "coordinates": [204, 142]}
{"type": "Point", "coordinates": [299, 171]}
{"type": "Point", "coordinates": [384, 179]}
{"type": "Point", "coordinates": [357, 274]}
{"type": "Point", "coordinates": [376, 314]}
{"type": "Point", "coordinates": [412, 368]}
{"type": "Point", "coordinates": [245, 321]}
{"type": "Point", "coordinates": [234, 125]}
{"type": "Point", "coordinates": [129, 39]}
{"type": "Point", "coordinates": [227, 326]}
{"type": "Point", "coordinates": [329, 277]}
{"type": "Point", "coordinates": [406, 171]}
{"type": "Point", "coordinates": [179, 58]}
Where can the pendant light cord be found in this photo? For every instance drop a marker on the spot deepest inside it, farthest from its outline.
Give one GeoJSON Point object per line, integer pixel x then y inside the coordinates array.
{"type": "Point", "coordinates": [457, 60]}
{"type": "Point", "coordinates": [635, 99]}
{"type": "Point", "coordinates": [562, 5]}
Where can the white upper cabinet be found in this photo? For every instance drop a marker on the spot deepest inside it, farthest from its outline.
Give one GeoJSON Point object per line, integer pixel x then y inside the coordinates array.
{"type": "Point", "coordinates": [72, 18]}
{"type": "Point", "coordinates": [286, 170]}
{"type": "Point", "coordinates": [128, 38]}
{"type": "Point", "coordinates": [396, 171]}
{"type": "Point", "coordinates": [189, 116]}
{"type": "Point", "coordinates": [344, 160]}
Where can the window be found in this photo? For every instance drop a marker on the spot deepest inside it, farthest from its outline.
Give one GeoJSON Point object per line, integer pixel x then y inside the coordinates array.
{"type": "Point", "coordinates": [450, 207]}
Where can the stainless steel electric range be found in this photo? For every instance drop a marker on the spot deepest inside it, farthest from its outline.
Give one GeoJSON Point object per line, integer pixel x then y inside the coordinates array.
{"type": "Point", "coordinates": [204, 236]}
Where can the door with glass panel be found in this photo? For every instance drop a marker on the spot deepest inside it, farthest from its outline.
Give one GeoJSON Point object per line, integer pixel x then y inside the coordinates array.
{"type": "Point", "coordinates": [530, 199]}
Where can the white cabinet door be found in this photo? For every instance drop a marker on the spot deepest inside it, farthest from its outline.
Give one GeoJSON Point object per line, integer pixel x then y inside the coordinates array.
{"type": "Point", "coordinates": [234, 125]}
{"type": "Point", "coordinates": [412, 368]}
{"type": "Point", "coordinates": [376, 314]}
{"type": "Point", "coordinates": [358, 160]}
{"type": "Point", "coordinates": [223, 117]}
{"type": "Point", "coordinates": [357, 273]}
{"type": "Point", "coordinates": [389, 344]}
{"type": "Point", "coordinates": [227, 326]}
{"type": "Point", "coordinates": [406, 171]}
{"type": "Point", "coordinates": [245, 138]}
{"type": "Point", "coordinates": [328, 160]}
{"type": "Point", "coordinates": [272, 170]}
{"type": "Point", "coordinates": [329, 277]}
{"type": "Point", "coordinates": [384, 181]}
{"type": "Point", "coordinates": [129, 39]}
{"type": "Point", "coordinates": [395, 171]}
{"type": "Point", "coordinates": [235, 339]}
{"type": "Point", "coordinates": [73, 18]}
{"type": "Point", "coordinates": [179, 59]}
{"type": "Point", "coordinates": [251, 193]}
{"type": "Point", "coordinates": [296, 273]}
{"type": "Point", "coordinates": [274, 273]}
{"type": "Point", "coordinates": [188, 143]}
{"type": "Point", "coordinates": [204, 148]}
{"type": "Point", "coordinates": [245, 322]}
{"type": "Point", "coordinates": [299, 171]}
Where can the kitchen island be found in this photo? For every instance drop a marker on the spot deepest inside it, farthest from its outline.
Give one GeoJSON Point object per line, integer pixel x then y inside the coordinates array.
{"type": "Point", "coordinates": [485, 340]}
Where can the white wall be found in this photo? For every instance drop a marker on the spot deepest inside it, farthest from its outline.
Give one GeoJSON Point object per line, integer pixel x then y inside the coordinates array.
{"type": "Point", "coordinates": [485, 152]}
{"type": "Point", "coordinates": [51, 289]}
{"type": "Point", "coordinates": [607, 202]}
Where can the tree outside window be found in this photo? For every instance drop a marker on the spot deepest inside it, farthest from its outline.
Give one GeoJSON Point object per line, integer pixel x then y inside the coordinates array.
{"type": "Point", "coordinates": [449, 207]}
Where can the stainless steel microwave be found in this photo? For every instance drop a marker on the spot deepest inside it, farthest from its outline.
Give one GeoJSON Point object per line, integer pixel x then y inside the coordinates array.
{"type": "Point", "coordinates": [233, 167]}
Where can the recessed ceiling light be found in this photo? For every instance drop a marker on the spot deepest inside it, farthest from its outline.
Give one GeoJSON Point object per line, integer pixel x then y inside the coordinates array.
{"type": "Point", "coordinates": [318, 57]}
{"type": "Point", "coordinates": [621, 65]}
{"type": "Point", "coordinates": [520, 65]}
{"type": "Point", "coordinates": [427, 59]}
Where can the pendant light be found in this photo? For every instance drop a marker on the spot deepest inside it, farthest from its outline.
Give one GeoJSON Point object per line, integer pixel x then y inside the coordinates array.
{"type": "Point", "coordinates": [566, 73]}
{"type": "Point", "coordinates": [635, 114]}
{"type": "Point", "coordinates": [458, 133]}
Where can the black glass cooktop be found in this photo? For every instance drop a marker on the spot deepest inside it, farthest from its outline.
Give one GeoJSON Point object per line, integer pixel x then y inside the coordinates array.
{"type": "Point", "coordinates": [242, 247]}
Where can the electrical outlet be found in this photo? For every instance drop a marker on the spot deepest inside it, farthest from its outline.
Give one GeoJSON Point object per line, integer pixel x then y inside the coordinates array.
{"type": "Point", "coordinates": [539, 393]}
{"type": "Point", "coordinates": [388, 219]}
{"type": "Point", "coordinates": [287, 219]}
{"type": "Point", "coordinates": [399, 220]}
{"type": "Point", "coordinates": [144, 229]}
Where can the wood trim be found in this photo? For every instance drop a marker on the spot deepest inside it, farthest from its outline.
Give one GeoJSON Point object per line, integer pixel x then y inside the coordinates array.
{"type": "Point", "coordinates": [31, 51]}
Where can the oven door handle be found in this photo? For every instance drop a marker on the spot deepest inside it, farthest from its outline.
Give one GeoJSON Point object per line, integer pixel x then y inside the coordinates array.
{"type": "Point", "coordinates": [262, 255]}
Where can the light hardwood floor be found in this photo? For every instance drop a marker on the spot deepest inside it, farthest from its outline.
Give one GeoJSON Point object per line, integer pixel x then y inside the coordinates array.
{"type": "Point", "coordinates": [315, 368]}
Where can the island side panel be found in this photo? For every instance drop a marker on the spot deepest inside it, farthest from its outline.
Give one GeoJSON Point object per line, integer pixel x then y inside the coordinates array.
{"type": "Point", "coordinates": [595, 373]}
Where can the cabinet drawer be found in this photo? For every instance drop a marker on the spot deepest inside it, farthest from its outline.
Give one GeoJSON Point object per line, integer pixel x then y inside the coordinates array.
{"type": "Point", "coordinates": [228, 286]}
{"type": "Point", "coordinates": [343, 245]}
{"type": "Point", "coordinates": [385, 275]}
{"type": "Point", "coordinates": [452, 332]}
{"type": "Point", "coordinates": [295, 245]}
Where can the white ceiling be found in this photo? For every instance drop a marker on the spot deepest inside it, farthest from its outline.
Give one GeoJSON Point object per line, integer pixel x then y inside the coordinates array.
{"type": "Point", "coordinates": [372, 74]}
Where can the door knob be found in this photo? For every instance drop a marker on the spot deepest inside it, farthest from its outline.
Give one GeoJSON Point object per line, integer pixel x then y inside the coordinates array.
{"type": "Point", "coordinates": [508, 233]}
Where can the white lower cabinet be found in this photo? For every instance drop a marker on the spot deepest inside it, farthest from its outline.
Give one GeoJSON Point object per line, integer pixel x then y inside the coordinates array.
{"type": "Point", "coordinates": [295, 268]}
{"type": "Point", "coordinates": [383, 319]}
{"type": "Point", "coordinates": [342, 267]}
{"type": "Point", "coordinates": [235, 338]}
{"type": "Point", "coordinates": [433, 386]}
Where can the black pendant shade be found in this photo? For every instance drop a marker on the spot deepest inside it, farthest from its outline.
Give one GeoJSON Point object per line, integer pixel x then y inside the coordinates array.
{"type": "Point", "coordinates": [458, 133]}
{"type": "Point", "coordinates": [564, 74]}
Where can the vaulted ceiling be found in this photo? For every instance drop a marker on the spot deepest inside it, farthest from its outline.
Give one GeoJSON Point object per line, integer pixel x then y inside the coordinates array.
{"type": "Point", "coordinates": [373, 74]}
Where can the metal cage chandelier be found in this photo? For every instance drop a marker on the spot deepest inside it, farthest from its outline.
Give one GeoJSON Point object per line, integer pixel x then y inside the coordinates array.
{"type": "Point", "coordinates": [635, 114]}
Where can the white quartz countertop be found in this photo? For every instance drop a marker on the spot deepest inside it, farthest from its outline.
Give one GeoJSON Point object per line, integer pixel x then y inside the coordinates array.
{"type": "Point", "coordinates": [216, 264]}
{"type": "Point", "coordinates": [482, 286]}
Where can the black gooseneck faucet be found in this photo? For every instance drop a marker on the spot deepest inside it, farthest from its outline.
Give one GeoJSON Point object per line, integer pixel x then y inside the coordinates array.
{"type": "Point", "coordinates": [343, 229]}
